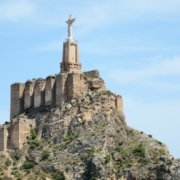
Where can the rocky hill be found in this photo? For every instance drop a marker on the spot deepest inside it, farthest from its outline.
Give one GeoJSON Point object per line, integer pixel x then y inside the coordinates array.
{"type": "Point", "coordinates": [87, 139]}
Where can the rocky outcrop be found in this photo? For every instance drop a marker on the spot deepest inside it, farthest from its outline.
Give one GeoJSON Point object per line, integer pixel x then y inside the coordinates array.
{"type": "Point", "coordinates": [86, 139]}
{"type": "Point", "coordinates": [69, 126]}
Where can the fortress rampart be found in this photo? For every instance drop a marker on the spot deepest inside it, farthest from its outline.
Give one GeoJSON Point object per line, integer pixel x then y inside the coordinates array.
{"type": "Point", "coordinates": [54, 90]}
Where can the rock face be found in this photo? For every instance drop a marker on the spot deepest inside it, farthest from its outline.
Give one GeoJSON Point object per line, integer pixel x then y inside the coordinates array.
{"type": "Point", "coordinates": [88, 139]}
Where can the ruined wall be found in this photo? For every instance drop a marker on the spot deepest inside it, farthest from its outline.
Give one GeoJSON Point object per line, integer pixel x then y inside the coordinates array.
{"type": "Point", "coordinates": [13, 136]}
{"type": "Point", "coordinates": [39, 93]}
{"type": "Point", "coordinates": [25, 126]}
{"type": "Point", "coordinates": [55, 90]}
{"type": "Point", "coordinates": [17, 96]}
{"type": "Point", "coordinates": [29, 94]}
{"type": "Point", "coordinates": [3, 138]}
{"type": "Point", "coordinates": [50, 97]}
{"type": "Point", "coordinates": [77, 86]}
{"type": "Point", "coordinates": [18, 132]}
{"type": "Point", "coordinates": [119, 103]}
{"type": "Point", "coordinates": [61, 88]}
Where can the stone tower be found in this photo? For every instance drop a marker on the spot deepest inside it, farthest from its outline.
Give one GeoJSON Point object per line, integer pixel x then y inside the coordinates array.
{"type": "Point", "coordinates": [70, 58]}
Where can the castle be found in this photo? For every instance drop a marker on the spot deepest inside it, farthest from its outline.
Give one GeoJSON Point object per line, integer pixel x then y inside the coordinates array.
{"type": "Point", "coordinates": [55, 90]}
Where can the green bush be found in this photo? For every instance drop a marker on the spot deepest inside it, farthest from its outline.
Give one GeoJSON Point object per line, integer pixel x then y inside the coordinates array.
{"type": "Point", "coordinates": [8, 162]}
{"type": "Point", "coordinates": [33, 133]}
{"type": "Point", "coordinates": [15, 173]}
{"type": "Point", "coordinates": [17, 154]}
{"type": "Point", "coordinates": [58, 175]}
{"type": "Point", "coordinates": [43, 178]}
{"type": "Point", "coordinates": [161, 170]}
{"type": "Point", "coordinates": [45, 155]}
{"type": "Point", "coordinates": [140, 151]}
{"type": "Point", "coordinates": [107, 159]}
{"type": "Point", "coordinates": [28, 165]}
{"type": "Point", "coordinates": [69, 138]}
{"type": "Point", "coordinates": [33, 144]}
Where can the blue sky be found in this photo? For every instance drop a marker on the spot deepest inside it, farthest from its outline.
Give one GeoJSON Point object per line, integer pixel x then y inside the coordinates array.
{"type": "Point", "coordinates": [134, 43]}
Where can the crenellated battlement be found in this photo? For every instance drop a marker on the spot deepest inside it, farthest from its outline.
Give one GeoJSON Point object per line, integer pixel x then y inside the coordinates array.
{"type": "Point", "coordinates": [54, 90]}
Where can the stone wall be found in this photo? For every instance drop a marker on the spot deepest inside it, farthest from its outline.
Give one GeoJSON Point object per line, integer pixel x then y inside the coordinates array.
{"type": "Point", "coordinates": [25, 126]}
{"type": "Point", "coordinates": [3, 138]}
{"type": "Point", "coordinates": [16, 134]}
{"type": "Point", "coordinates": [77, 86]}
{"type": "Point", "coordinates": [119, 103]}
{"type": "Point", "coordinates": [29, 94]}
{"type": "Point", "coordinates": [39, 97]}
{"type": "Point", "coordinates": [13, 136]}
{"type": "Point", "coordinates": [50, 97]}
{"type": "Point", "coordinates": [54, 90]}
{"type": "Point", "coordinates": [61, 88]}
{"type": "Point", "coordinates": [17, 101]}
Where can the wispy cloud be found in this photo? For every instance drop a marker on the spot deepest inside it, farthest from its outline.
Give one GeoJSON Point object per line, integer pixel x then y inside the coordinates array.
{"type": "Point", "coordinates": [15, 10]}
{"type": "Point", "coordinates": [102, 13]}
{"type": "Point", "coordinates": [162, 6]}
{"type": "Point", "coordinates": [90, 14]}
{"type": "Point", "coordinates": [169, 67]}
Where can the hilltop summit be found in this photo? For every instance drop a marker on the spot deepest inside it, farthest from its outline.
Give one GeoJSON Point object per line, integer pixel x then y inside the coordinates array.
{"type": "Point", "coordinates": [69, 126]}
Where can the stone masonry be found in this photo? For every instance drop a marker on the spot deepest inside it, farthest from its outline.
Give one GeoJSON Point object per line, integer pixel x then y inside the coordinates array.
{"type": "Point", "coordinates": [55, 90]}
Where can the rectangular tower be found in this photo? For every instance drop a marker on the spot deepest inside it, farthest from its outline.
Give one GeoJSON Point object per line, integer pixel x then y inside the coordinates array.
{"type": "Point", "coordinates": [39, 93]}
{"type": "Point", "coordinates": [3, 138]}
{"type": "Point", "coordinates": [61, 90]}
{"type": "Point", "coordinates": [76, 85]}
{"type": "Point", "coordinates": [119, 103]}
{"type": "Point", "coordinates": [19, 132]}
{"type": "Point", "coordinates": [17, 96]}
{"type": "Point", "coordinates": [50, 91]}
{"type": "Point", "coordinates": [29, 94]}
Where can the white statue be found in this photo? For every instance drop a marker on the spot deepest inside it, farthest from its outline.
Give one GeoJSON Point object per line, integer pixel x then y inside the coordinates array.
{"type": "Point", "coordinates": [70, 31]}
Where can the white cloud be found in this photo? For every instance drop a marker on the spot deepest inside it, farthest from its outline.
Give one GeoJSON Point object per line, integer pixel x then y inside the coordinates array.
{"type": "Point", "coordinates": [90, 14]}
{"type": "Point", "coordinates": [118, 11]}
{"type": "Point", "coordinates": [15, 10]}
{"type": "Point", "coordinates": [152, 6]}
{"type": "Point", "coordinates": [170, 67]}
